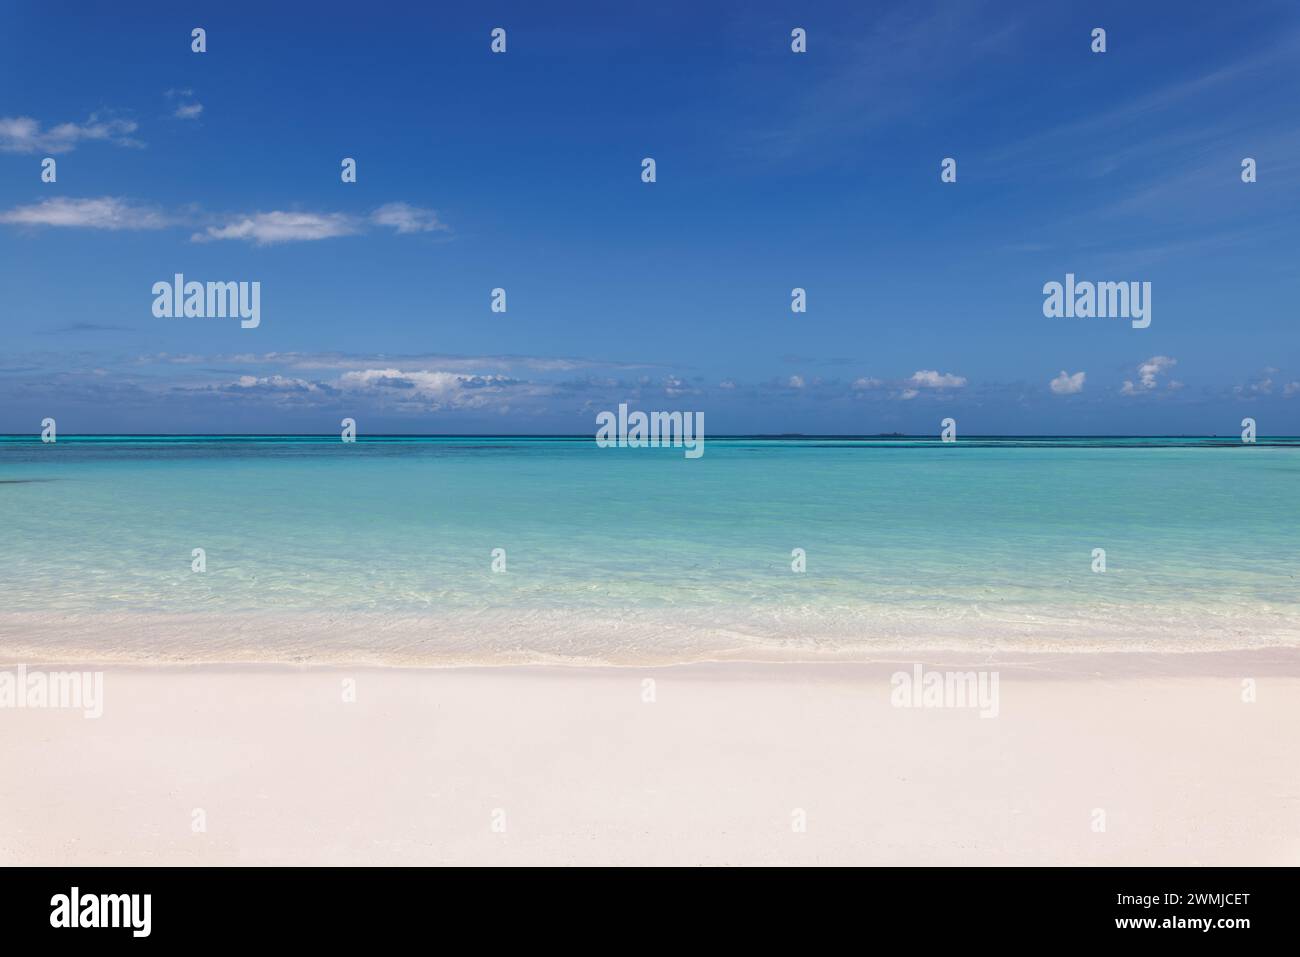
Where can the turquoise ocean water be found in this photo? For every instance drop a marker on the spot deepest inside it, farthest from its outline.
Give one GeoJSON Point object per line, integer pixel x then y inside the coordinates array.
{"type": "Point", "coordinates": [382, 550]}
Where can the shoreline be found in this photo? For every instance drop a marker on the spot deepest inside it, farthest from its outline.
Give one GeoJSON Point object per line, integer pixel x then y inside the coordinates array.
{"type": "Point", "coordinates": [1271, 661]}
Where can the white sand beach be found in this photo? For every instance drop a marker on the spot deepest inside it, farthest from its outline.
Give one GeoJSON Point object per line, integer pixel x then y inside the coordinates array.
{"type": "Point", "coordinates": [573, 766]}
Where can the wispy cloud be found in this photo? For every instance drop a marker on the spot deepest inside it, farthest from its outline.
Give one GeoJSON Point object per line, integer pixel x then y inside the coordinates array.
{"type": "Point", "coordinates": [261, 228]}
{"type": "Point", "coordinates": [89, 327]}
{"type": "Point", "coordinates": [883, 66]}
{"type": "Point", "coordinates": [1187, 93]}
{"type": "Point", "coordinates": [106, 212]}
{"type": "Point", "coordinates": [278, 226]}
{"type": "Point", "coordinates": [22, 134]}
{"type": "Point", "coordinates": [189, 108]}
{"type": "Point", "coordinates": [307, 361]}
{"type": "Point", "coordinates": [407, 219]}
{"type": "Point", "coordinates": [1262, 385]}
{"type": "Point", "coordinates": [281, 227]}
{"type": "Point", "coordinates": [1166, 161]}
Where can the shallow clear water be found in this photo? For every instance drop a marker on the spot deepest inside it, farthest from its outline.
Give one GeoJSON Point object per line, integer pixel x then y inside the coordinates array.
{"type": "Point", "coordinates": [382, 550]}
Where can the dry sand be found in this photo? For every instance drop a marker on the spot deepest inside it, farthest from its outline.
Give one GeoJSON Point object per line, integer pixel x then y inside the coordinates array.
{"type": "Point", "coordinates": [716, 770]}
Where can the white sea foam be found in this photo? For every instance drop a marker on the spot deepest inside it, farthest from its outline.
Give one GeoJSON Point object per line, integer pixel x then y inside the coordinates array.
{"type": "Point", "coordinates": [553, 636]}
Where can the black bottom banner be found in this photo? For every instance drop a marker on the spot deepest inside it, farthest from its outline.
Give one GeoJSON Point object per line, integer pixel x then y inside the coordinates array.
{"type": "Point", "coordinates": [1156, 906]}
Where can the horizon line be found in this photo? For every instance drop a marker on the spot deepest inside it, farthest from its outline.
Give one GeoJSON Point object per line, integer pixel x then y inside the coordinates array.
{"type": "Point", "coordinates": [589, 435]}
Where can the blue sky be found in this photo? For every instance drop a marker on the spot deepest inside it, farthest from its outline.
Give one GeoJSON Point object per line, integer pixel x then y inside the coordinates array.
{"type": "Point", "coordinates": [775, 170]}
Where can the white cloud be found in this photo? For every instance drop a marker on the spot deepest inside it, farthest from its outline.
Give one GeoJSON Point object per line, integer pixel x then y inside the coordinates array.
{"type": "Point", "coordinates": [923, 379]}
{"type": "Point", "coordinates": [406, 218]}
{"type": "Point", "coordinates": [796, 382]}
{"type": "Point", "coordinates": [275, 383]}
{"type": "Point", "coordinates": [188, 110]}
{"type": "Point", "coordinates": [262, 229]}
{"type": "Point", "coordinates": [428, 381]}
{"type": "Point", "coordinates": [1290, 389]}
{"type": "Point", "coordinates": [428, 389]}
{"type": "Point", "coordinates": [344, 361]}
{"type": "Point", "coordinates": [1260, 386]}
{"type": "Point", "coordinates": [107, 212]}
{"type": "Point", "coordinates": [1066, 384]}
{"type": "Point", "coordinates": [280, 227]}
{"type": "Point", "coordinates": [1148, 373]}
{"type": "Point", "coordinates": [22, 134]}
{"type": "Point", "coordinates": [674, 386]}
{"type": "Point", "coordinates": [865, 383]}
{"type": "Point", "coordinates": [932, 379]}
